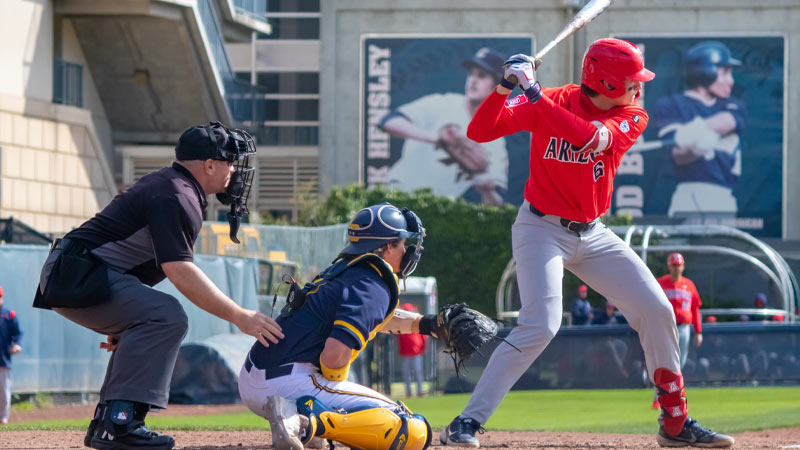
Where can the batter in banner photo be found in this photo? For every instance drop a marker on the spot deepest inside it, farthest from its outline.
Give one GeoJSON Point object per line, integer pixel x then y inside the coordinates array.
{"type": "Point", "coordinates": [579, 135]}
{"type": "Point", "coordinates": [706, 124]}
{"type": "Point", "coordinates": [437, 153]}
{"type": "Point", "coordinates": [301, 383]}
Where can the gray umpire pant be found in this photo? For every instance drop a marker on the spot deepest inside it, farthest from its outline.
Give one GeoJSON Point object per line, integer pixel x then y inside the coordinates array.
{"type": "Point", "coordinates": [150, 326]}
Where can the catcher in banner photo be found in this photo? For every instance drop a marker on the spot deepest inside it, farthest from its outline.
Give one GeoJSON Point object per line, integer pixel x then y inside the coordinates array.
{"type": "Point", "coordinates": [300, 384]}
{"type": "Point", "coordinates": [580, 134]}
{"type": "Point", "coordinates": [437, 153]}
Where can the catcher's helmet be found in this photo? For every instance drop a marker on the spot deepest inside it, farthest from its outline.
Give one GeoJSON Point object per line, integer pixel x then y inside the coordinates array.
{"type": "Point", "coordinates": [613, 61]}
{"type": "Point", "coordinates": [702, 60]}
{"type": "Point", "coordinates": [675, 259]}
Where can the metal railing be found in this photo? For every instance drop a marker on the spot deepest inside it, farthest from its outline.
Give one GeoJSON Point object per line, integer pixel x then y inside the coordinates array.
{"type": "Point", "coordinates": [256, 9]}
{"type": "Point", "coordinates": [67, 83]}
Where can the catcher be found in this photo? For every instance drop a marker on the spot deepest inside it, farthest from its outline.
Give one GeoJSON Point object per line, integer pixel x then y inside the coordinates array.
{"type": "Point", "coordinates": [300, 384]}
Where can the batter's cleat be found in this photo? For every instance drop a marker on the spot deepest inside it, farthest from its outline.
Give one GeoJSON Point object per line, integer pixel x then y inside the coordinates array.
{"type": "Point", "coordinates": [139, 438]}
{"type": "Point", "coordinates": [694, 435]}
{"type": "Point", "coordinates": [285, 423]}
{"type": "Point", "coordinates": [461, 433]}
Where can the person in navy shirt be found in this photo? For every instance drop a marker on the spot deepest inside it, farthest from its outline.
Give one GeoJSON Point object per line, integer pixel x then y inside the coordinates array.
{"type": "Point", "coordinates": [300, 384]}
{"type": "Point", "coordinates": [10, 338]}
{"type": "Point", "coordinates": [706, 123]}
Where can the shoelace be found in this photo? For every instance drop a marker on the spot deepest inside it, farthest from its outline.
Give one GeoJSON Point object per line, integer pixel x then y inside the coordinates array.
{"type": "Point", "coordinates": [471, 425]}
{"type": "Point", "coordinates": [697, 429]}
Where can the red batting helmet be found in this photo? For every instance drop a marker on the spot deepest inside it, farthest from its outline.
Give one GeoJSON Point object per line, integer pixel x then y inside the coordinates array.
{"type": "Point", "coordinates": [613, 61]}
{"type": "Point", "coordinates": [675, 259]}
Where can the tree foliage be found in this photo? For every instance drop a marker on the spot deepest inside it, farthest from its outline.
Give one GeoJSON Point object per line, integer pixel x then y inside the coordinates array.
{"type": "Point", "coordinates": [467, 245]}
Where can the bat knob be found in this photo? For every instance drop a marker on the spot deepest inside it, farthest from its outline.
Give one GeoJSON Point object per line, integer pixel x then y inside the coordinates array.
{"type": "Point", "coordinates": [536, 63]}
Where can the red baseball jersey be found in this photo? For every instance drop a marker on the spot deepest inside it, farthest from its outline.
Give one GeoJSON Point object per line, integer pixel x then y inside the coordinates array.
{"type": "Point", "coordinates": [411, 344]}
{"type": "Point", "coordinates": [685, 300]}
{"type": "Point", "coordinates": [563, 181]}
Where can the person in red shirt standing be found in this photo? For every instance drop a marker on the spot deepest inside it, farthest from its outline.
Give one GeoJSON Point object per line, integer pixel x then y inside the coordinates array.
{"type": "Point", "coordinates": [579, 136]}
{"type": "Point", "coordinates": [411, 349]}
{"type": "Point", "coordinates": [685, 300]}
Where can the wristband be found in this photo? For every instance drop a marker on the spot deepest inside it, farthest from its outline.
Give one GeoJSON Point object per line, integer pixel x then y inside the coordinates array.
{"type": "Point", "coordinates": [334, 374]}
{"type": "Point", "coordinates": [427, 324]}
{"type": "Point", "coordinates": [507, 84]}
{"type": "Point", "coordinates": [534, 93]}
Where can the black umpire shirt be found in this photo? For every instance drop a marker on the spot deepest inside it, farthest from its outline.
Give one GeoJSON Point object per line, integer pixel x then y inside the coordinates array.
{"type": "Point", "coordinates": [155, 221]}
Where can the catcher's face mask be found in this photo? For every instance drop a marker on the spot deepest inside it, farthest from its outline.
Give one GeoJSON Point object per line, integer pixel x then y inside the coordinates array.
{"type": "Point", "coordinates": [414, 230]}
{"type": "Point", "coordinates": [237, 151]}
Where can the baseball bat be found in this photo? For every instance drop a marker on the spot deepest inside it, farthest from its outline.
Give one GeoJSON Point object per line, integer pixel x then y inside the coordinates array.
{"type": "Point", "coordinates": [584, 16]}
{"type": "Point", "coordinates": [652, 145]}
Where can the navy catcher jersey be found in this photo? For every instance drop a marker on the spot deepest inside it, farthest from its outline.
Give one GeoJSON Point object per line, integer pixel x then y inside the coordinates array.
{"type": "Point", "coordinates": [349, 308]}
{"type": "Point", "coordinates": [724, 168]}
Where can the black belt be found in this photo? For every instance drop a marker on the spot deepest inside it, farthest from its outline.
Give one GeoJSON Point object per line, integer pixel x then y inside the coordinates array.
{"type": "Point", "coordinates": [274, 372]}
{"type": "Point", "coordinates": [571, 225]}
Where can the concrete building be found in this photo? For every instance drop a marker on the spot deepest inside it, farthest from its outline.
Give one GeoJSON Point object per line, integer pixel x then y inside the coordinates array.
{"type": "Point", "coordinates": [94, 93]}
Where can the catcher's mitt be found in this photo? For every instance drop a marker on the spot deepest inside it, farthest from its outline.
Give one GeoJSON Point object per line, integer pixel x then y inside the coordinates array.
{"type": "Point", "coordinates": [470, 156]}
{"type": "Point", "coordinates": [462, 329]}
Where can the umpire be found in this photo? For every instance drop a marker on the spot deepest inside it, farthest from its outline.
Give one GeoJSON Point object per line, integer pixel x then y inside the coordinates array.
{"type": "Point", "coordinates": [101, 274]}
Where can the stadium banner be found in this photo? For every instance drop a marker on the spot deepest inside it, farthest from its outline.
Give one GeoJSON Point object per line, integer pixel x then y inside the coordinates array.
{"type": "Point", "coordinates": [418, 93]}
{"type": "Point", "coordinates": [714, 148]}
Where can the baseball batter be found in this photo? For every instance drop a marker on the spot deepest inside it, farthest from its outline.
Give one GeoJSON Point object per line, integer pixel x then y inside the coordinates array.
{"type": "Point", "coordinates": [706, 123]}
{"type": "Point", "coordinates": [579, 135]}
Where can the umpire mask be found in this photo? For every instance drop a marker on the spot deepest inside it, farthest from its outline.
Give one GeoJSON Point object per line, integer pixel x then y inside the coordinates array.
{"type": "Point", "coordinates": [236, 149]}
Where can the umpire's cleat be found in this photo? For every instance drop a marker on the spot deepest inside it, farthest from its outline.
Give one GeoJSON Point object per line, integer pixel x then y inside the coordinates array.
{"type": "Point", "coordinates": [99, 410]}
{"type": "Point", "coordinates": [285, 423]}
{"type": "Point", "coordinates": [138, 439]}
{"type": "Point", "coordinates": [461, 433]}
{"type": "Point", "coordinates": [693, 435]}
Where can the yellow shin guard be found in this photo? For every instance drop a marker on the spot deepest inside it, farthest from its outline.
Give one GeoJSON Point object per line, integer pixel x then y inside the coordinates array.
{"type": "Point", "coordinates": [374, 429]}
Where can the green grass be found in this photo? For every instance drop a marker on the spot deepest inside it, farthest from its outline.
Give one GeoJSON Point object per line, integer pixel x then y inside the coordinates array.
{"type": "Point", "coordinates": [731, 410]}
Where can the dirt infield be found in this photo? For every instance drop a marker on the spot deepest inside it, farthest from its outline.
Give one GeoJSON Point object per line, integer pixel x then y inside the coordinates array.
{"type": "Point", "coordinates": [252, 440]}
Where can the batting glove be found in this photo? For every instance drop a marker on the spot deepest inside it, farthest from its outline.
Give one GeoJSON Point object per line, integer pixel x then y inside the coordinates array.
{"type": "Point", "coordinates": [521, 70]}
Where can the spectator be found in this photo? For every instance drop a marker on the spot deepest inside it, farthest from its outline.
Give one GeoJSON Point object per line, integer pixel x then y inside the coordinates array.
{"type": "Point", "coordinates": [711, 319]}
{"type": "Point", "coordinates": [760, 302]}
{"type": "Point", "coordinates": [581, 309]}
{"type": "Point", "coordinates": [10, 337]}
{"type": "Point", "coordinates": [411, 349]}
{"type": "Point", "coordinates": [606, 315]}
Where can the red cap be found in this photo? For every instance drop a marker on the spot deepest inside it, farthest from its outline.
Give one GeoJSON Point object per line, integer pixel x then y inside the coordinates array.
{"type": "Point", "coordinates": [675, 259]}
{"type": "Point", "coordinates": [778, 318]}
{"type": "Point", "coordinates": [1, 291]}
{"type": "Point", "coordinates": [582, 288]}
{"type": "Point", "coordinates": [407, 306]}
{"type": "Point", "coordinates": [711, 319]}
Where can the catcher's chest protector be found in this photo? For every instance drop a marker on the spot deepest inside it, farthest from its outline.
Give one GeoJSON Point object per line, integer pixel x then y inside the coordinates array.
{"type": "Point", "coordinates": [340, 266]}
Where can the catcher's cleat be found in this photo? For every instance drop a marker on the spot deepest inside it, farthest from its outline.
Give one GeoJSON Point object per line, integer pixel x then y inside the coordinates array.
{"type": "Point", "coordinates": [693, 435]}
{"type": "Point", "coordinates": [461, 433]}
{"type": "Point", "coordinates": [284, 423]}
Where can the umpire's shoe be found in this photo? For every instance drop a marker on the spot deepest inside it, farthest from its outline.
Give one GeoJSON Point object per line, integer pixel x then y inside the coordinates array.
{"type": "Point", "coordinates": [461, 433]}
{"type": "Point", "coordinates": [95, 424]}
{"type": "Point", "coordinates": [693, 435]}
{"type": "Point", "coordinates": [123, 428]}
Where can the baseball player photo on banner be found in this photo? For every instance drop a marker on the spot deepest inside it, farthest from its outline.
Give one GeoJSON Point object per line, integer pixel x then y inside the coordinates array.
{"type": "Point", "coordinates": [419, 93]}
{"type": "Point", "coordinates": [713, 151]}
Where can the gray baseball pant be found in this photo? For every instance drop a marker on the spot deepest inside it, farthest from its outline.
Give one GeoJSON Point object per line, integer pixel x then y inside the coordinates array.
{"type": "Point", "coordinates": [542, 249]}
{"type": "Point", "coordinates": [150, 326]}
